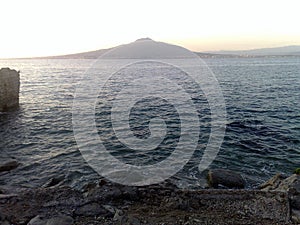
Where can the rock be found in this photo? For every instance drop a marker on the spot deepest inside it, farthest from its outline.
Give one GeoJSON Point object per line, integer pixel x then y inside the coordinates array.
{"type": "Point", "coordinates": [281, 183]}
{"type": "Point", "coordinates": [295, 215]}
{"type": "Point", "coordinates": [273, 183]}
{"type": "Point", "coordinates": [89, 187]}
{"type": "Point", "coordinates": [53, 182]}
{"type": "Point", "coordinates": [295, 201]}
{"type": "Point", "coordinates": [129, 192]}
{"type": "Point", "coordinates": [38, 220]}
{"type": "Point", "coordinates": [110, 209]}
{"type": "Point", "coordinates": [91, 209]}
{"type": "Point", "coordinates": [7, 196]}
{"type": "Point", "coordinates": [5, 222]}
{"type": "Point", "coordinates": [119, 215]}
{"type": "Point", "coordinates": [59, 220]}
{"type": "Point", "coordinates": [225, 178]}
{"type": "Point", "coordinates": [133, 221]}
{"type": "Point", "coordinates": [2, 217]}
{"type": "Point", "coordinates": [9, 89]}
{"type": "Point", "coordinates": [291, 185]}
{"type": "Point", "coordinates": [10, 165]}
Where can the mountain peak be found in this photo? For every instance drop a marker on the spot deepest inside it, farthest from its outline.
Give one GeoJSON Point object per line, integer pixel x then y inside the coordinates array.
{"type": "Point", "coordinates": [144, 39]}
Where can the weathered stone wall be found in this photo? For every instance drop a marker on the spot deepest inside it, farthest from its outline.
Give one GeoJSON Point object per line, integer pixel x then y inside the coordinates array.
{"type": "Point", "coordinates": [9, 89]}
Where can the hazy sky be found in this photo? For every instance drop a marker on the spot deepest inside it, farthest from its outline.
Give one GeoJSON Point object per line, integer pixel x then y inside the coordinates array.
{"type": "Point", "coordinates": [53, 27]}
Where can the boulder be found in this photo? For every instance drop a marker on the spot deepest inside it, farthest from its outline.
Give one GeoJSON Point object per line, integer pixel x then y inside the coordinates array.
{"type": "Point", "coordinates": [291, 185]}
{"type": "Point", "coordinates": [272, 183]}
{"type": "Point", "coordinates": [9, 165]}
{"type": "Point", "coordinates": [9, 89]}
{"type": "Point", "coordinates": [225, 178]}
{"type": "Point", "coordinates": [38, 220]}
{"type": "Point", "coordinates": [61, 220]}
{"type": "Point", "coordinates": [58, 220]}
{"type": "Point", "coordinates": [91, 209]}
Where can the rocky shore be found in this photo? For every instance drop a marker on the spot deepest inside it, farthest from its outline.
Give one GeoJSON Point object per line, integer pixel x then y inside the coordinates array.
{"type": "Point", "coordinates": [276, 202]}
{"type": "Point", "coordinates": [225, 201]}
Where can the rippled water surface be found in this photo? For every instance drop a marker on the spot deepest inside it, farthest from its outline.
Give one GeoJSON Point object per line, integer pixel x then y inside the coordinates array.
{"type": "Point", "coordinates": [262, 138]}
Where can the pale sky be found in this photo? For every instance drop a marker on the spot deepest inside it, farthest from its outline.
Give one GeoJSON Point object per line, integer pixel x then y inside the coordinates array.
{"type": "Point", "coordinates": [53, 27]}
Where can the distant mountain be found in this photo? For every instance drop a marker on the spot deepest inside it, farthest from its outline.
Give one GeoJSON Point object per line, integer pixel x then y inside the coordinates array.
{"type": "Point", "coordinates": [279, 51]}
{"type": "Point", "coordinates": [133, 52]}
{"type": "Point", "coordinates": [293, 50]}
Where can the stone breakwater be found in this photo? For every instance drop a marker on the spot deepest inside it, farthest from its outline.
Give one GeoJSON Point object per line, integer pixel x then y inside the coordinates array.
{"type": "Point", "coordinates": [277, 202]}
{"type": "Point", "coordinates": [9, 89]}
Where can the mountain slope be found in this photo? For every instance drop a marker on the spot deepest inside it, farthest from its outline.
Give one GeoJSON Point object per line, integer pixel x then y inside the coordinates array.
{"type": "Point", "coordinates": [84, 55]}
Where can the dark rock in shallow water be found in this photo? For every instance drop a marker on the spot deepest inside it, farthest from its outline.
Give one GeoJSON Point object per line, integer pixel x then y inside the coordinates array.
{"type": "Point", "coordinates": [9, 89]}
{"type": "Point", "coordinates": [226, 178]}
{"type": "Point", "coordinates": [9, 165]}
